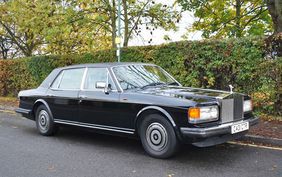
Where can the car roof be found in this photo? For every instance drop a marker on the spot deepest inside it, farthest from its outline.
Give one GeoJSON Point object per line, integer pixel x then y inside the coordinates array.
{"type": "Point", "coordinates": [106, 65]}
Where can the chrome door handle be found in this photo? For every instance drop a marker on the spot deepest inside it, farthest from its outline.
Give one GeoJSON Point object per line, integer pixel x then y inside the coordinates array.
{"type": "Point", "coordinates": [50, 95]}
{"type": "Point", "coordinates": [82, 96]}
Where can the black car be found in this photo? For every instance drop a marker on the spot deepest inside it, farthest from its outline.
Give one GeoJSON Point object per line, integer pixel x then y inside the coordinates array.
{"type": "Point", "coordinates": [140, 100]}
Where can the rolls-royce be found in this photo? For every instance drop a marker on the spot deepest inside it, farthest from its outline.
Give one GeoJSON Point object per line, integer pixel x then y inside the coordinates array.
{"type": "Point", "coordinates": [139, 100]}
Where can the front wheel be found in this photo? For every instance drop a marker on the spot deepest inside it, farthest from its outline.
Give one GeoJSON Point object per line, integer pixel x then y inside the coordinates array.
{"type": "Point", "coordinates": [158, 137]}
{"type": "Point", "coordinates": [44, 122]}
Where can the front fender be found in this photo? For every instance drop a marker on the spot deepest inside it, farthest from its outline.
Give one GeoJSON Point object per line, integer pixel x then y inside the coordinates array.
{"type": "Point", "coordinates": [155, 108]}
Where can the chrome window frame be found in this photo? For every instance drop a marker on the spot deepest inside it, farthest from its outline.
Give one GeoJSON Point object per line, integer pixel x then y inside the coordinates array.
{"type": "Point", "coordinates": [62, 72]}
{"type": "Point", "coordinates": [82, 88]}
{"type": "Point", "coordinates": [110, 73]}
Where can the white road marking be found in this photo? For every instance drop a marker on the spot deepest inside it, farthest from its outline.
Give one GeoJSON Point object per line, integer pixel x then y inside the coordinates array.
{"type": "Point", "coordinates": [7, 111]}
{"type": "Point", "coordinates": [254, 145]}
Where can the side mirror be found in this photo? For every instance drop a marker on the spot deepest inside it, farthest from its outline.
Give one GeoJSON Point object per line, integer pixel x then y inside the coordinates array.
{"type": "Point", "coordinates": [103, 85]}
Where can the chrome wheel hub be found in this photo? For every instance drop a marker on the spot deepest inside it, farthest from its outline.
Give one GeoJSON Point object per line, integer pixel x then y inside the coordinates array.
{"type": "Point", "coordinates": [156, 136]}
{"type": "Point", "coordinates": [43, 120]}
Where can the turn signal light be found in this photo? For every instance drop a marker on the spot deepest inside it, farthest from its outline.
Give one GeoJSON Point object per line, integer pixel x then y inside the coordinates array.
{"type": "Point", "coordinates": [194, 113]}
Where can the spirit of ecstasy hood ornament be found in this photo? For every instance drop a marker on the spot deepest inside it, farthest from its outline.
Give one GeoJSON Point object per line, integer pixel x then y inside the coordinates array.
{"type": "Point", "coordinates": [231, 88]}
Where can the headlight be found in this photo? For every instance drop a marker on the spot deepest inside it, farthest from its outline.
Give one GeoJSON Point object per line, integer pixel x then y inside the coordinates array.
{"type": "Point", "coordinates": [203, 114]}
{"type": "Point", "coordinates": [247, 106]}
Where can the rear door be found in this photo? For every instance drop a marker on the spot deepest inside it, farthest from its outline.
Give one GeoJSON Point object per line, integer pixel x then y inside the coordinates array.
{"type": "Point", "coordinates": [62, 97]}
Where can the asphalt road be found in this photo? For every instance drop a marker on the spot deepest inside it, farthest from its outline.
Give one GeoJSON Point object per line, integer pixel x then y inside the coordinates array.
{"type": "Point", "coordinates": [73, 152]}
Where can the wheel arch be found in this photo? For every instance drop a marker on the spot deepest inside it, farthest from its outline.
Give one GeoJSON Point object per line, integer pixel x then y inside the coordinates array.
{"type": "Point", "coordinates": [150, 110]}
{"type": "Point", "coordinates": [39, 102]}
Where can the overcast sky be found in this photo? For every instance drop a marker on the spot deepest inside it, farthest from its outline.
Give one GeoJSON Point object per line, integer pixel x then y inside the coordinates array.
{"type": "Point", "coordinates": [158, 35]}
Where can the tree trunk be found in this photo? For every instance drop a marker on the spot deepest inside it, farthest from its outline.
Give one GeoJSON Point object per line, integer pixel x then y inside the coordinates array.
{"type": "Point", "coordinates": [113, 23]}
{"type": "Point", "coordinates": [238, 32]}
{"type": "Point", "coordinates": [4, 53]}
{"type": "Point", "coordinates": [126, 22]}
{"type": "Point", "coordinates": [275, 10]}
{"type": "Point", "coordinates": [278, 102]}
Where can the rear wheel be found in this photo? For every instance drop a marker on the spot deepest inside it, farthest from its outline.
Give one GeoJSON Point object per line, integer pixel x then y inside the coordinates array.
{"type": "Point", "coordinates": [158, 137]}
{"type": "Point", "coordinates": [44, 122]}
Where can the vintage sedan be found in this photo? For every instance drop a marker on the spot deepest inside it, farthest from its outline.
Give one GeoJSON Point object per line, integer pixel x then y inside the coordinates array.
{"type": "Point", "coordinates": [140, 100]}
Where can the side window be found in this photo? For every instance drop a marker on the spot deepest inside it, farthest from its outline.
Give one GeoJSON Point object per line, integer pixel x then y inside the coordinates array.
{"type": "Point", "coordinates": [69, 79]}
{"type": "Point", "coordinates": [95, 75]}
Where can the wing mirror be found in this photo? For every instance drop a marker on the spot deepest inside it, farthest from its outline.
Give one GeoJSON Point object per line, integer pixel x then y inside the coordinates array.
{"type": "Point", "coordinates": [103, 85]}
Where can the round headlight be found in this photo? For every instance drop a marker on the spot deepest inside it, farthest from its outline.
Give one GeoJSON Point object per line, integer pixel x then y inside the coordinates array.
{"type": "Point", "coordinates": [247, 106]}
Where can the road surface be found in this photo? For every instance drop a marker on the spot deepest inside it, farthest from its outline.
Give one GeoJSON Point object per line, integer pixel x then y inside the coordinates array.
{"type": "Point", "coordinates": [77, 153]}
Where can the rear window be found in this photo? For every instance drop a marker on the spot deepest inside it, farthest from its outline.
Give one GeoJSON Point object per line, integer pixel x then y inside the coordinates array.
{"type": "Point", "coordinates": [69, 79]}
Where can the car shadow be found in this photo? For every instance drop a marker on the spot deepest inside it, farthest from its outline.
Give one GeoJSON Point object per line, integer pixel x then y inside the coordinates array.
{"type": "Point", "coordinates": [217, 155]}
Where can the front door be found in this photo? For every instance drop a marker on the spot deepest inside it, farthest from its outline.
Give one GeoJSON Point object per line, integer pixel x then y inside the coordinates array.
{"type": "Point", "coordinates": [97, 107]}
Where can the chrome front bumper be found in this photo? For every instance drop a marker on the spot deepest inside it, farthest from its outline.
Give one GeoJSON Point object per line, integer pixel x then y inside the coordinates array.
{"type": "Point", "coordinates": [213, 131]}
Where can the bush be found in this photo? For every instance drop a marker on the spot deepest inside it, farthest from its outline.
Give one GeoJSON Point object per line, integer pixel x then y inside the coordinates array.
{"type": "Point", "coordinates": [207, 64]}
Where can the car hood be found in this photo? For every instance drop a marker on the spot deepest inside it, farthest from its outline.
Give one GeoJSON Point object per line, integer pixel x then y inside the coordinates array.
{"type": "Point", "coordinates": [186, 93]}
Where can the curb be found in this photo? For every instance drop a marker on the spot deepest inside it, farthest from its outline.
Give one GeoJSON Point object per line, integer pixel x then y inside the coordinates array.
{"type": "Point", "coordinates": [7, 108]}
{"type": "Point", "coordinates": [261, 139]}
{"type": "Point", "coordinates": [250, 138]}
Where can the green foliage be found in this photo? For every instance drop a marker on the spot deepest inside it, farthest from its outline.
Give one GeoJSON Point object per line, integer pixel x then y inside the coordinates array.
{"type": "Point", "coordinates": [227, 62]}
{"type": "Point", "coordinates": [208, 64]}
{"type": "Point", "coordinates": [229, 18]}
{"type": "Point", "coordinates": [29, 28]}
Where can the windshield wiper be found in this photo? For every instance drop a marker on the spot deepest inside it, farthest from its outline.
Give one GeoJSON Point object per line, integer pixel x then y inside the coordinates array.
{"type": "Point", "coordinates": [153, 84]}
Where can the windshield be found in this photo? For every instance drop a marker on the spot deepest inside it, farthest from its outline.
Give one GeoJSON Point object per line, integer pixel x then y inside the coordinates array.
{"type": "Point", "coordinates": [140, 76]}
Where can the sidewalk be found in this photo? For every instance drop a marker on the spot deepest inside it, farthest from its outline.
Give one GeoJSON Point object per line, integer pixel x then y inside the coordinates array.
{"type": "Point", "coordinates": [267, 132]}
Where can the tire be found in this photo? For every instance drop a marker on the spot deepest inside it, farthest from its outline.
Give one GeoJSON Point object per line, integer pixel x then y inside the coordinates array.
{"type": "Point", "coordinates": [158, 137]}
{"type": "Point", "coordinates": [44, 122]}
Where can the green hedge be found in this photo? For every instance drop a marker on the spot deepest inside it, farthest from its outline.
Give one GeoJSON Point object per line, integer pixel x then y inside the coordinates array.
{"type": "Point", "coordinates": [208, 64]}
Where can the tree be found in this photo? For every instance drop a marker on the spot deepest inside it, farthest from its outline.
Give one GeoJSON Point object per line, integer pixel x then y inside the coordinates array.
{"type": "Point", "coordinates": [229, 18]}
{"type": "Point", "coordinates": [65, 34]}
{"type": "Point", "coordinates": [274, 43]}
{"type": "Point", "coordinates": [46, 27]}
{"type": "Point", "coordinates": [275, 10]}
{"type": "Point", "coordinates": [77, 26]}
{"type": "Point", "coordinates": [135, 14]}
{"type": "Point", "coordinates": [23, 23]}
{"type": "Point", "coordinates": [5, 45]}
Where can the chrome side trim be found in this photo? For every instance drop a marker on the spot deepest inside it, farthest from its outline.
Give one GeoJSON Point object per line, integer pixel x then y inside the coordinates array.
{"type": "Point", "coordinates": [96, 126]}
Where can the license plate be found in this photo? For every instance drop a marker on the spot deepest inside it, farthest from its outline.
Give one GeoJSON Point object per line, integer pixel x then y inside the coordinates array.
{"type": "Point", "coordinates": [236, 128]}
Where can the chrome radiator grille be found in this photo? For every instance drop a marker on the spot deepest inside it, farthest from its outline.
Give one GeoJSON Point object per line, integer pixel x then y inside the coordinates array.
{"type": "Point", "coordinates": [232, 108]}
